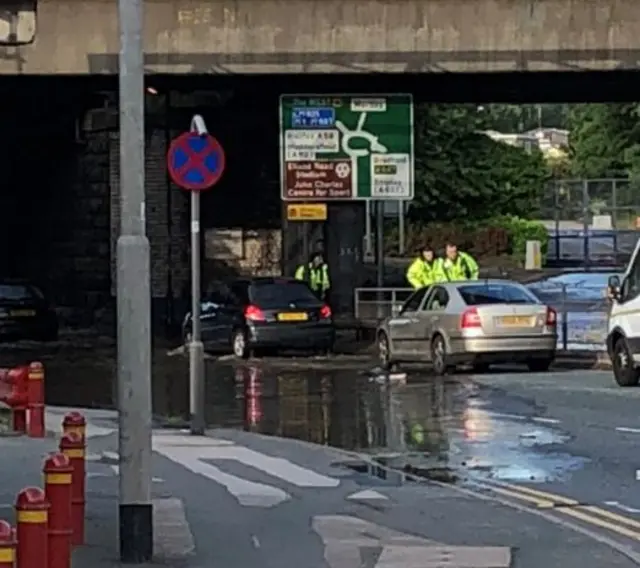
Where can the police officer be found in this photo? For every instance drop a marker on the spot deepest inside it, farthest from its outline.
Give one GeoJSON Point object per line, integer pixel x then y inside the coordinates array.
{"type": "Point", "coordinates": [316, 274]}
{"type": "Point", "coordinates": [426, 269]}
{"type": "Point", "coordinates": [458, 265]}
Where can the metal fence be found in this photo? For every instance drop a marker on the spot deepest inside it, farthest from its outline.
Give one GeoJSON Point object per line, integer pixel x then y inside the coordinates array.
{"type": "Point", "coordinates": [582, 311]}
{"type": "Point", "coordinates": [591, 221]}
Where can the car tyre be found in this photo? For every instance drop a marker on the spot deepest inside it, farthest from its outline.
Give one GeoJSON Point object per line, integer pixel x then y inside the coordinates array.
{"type": "Point", "coordinates": [624, 371]}
{"type": "Point", "coordinates": [539, 365]}
{"type": "Point", "coordinates": [439, 357]}
{"type": "Point", "coordinates": [239, 344]}
{"type": "Point", "coordinates": [384, 351]}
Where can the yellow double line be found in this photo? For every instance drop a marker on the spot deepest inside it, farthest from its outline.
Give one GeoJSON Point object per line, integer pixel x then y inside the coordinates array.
{"type": "Point", "coordinates": [589, 514]}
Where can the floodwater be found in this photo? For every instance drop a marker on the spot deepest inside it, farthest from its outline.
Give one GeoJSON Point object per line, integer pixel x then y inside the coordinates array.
{"type": "Point", "coordinates": [450, 430]}
{"type": "Point", "coordinates": [447, 429]}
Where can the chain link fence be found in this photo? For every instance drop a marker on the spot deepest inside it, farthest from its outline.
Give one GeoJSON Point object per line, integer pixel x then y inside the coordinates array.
{"type": "Point", "coordinates": [591, 221]}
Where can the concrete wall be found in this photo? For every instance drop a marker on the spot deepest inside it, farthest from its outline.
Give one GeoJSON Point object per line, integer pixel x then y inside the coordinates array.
{"type": "Point", "coordinates": [328, 36]}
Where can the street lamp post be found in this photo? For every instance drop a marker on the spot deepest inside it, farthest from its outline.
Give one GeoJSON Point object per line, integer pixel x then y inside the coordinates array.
{"type": "Point", "coordinates": [133, 300]}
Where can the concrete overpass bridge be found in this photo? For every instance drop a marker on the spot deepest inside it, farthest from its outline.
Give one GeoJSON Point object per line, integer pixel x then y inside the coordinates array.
{"type": "Point", "coordinates": [62, 37]}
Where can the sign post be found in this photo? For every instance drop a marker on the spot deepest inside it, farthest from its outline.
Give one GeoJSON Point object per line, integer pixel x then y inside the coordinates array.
{"type": "Point", "coordinates": [196, 162]}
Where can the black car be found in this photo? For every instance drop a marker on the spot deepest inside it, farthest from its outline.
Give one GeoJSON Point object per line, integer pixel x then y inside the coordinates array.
{"type": "Point", "coordinates": [257, 316]}
{"type": "Point", "coordinates": [25, 313]}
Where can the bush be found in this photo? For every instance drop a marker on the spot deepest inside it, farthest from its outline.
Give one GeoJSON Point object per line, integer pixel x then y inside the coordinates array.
{"type": "Point", "coordinates": [522, 230]}
{"type": "Point", "coordinates": [480, 241]}
{"type": "Point", "coordinates": [495, 237]}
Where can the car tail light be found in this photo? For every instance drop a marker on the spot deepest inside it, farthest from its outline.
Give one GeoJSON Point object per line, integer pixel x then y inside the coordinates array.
{"type": "Point", "coordinates": [470, 318]}
{"type": "Point", "coordinates": [254, 313]}
{"type": "Point", "coordinates": [325, 312]}
{"type": "Point", "coordinates": [552, 317]}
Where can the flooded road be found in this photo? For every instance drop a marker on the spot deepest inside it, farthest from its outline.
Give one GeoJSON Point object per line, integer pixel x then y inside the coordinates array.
{"type": "Point", "coordinates": [450, 430]}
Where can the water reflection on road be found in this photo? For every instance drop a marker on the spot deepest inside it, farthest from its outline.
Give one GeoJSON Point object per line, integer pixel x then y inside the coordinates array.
{"type": "Point", "coordinates": [443, 429]}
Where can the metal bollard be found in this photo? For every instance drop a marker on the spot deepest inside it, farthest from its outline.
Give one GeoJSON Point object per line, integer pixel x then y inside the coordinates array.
{"type": "Point", "coordinates": [7, 545]}
{"type": "Point", "coordinates": [32, 518]}
{"type": "Point", "coordinates": [72, 445]}
{"type": "Point", "coordinates": [57, 486]}
{"type": "Point", "coordinates": [17, 400]}
{"type": "Point", "coordinates": [74, 422]}
{"type": "Point", "coordinates": [35, 401]}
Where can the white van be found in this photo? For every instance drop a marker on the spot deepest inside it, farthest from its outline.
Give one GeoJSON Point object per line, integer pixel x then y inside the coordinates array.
{"type": "Point", "coordinates": [623, 333]}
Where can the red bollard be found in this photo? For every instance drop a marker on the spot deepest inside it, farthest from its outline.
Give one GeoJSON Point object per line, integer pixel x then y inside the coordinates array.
{"type": "Point", "coordinates": [35, 400]}
{"type": "Point", "coordinates": [32, 519]}
{"type": "Point", "coordinates": [17, 400]}
{"type": "Point", "coordinates": [57, 487]}
{"type": "Point", "coordinates": [72, 445]}
{"type": "Point", "coordinates": [7, 545]}
{"type": "Point", "coordinates": [74, 422]}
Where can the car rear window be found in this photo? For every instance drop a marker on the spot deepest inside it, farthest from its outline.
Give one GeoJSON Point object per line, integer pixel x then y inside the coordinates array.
{"type": "Point", "coordinates": [479, 294]}
{"type": "Point", "coordinates": [16, 292]}
{"type": "Point", "coordinates": [280, 295]}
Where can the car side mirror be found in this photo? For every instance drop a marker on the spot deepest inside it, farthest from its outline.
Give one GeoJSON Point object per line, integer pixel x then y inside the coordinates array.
{"type": "Point", "coordinates": [613, 288]}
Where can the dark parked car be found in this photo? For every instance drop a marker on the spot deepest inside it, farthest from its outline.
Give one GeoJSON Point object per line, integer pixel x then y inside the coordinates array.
{"type": "Point", "coordinates": [25, 313]}
{"type": "Point", "coordinates": [258, 316]}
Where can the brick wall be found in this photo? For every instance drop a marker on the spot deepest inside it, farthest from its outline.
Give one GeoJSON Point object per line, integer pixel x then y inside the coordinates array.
{"type": "Point", "coordinates": [166, 219]}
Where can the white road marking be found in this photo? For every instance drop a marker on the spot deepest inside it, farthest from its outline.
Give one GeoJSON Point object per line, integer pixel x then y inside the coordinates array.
{"type": "Point", "coordinates": [172, 537]}
{"type": "Point", "coordinates": [248, 493]}
{"type": "Point", "coordinates": [437, 556]}
{"type": "Point", "coordinates": [367, 494]}
{"type": "Point", "coordinates": [543, 420]}
{"type": "Point", "coordinates": [622, 507]}
{"type": "Point", "coordinates": [628, 430]}
{"type": "Point", "coordinates": [255, 541]}
{"type": "Point", "coordinates": [343, 536]}
{"type": "Point", "coordinates": [115, 456]}
{"type": "Point", "coordinates": [277, 467]}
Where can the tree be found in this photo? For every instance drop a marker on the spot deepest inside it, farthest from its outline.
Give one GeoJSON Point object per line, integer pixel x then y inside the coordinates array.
{"type": "Point", "coordinates": [463, 174]}
{"type": "Point", "coordinates": [521, 118]}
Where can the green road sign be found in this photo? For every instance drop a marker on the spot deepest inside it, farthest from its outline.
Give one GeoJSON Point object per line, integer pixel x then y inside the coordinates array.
{"type": "Point", "coordinates": [339, 147]}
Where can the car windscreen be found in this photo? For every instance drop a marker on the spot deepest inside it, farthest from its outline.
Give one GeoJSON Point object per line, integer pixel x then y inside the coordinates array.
{"type": "Point", "coordinates": [479, 294]}
{"type": "Point", "coordinates": [281, 295]}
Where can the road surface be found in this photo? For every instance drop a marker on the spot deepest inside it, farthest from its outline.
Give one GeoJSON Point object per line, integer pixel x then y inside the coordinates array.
{"type": "Point", "coordinates": [508, 468]}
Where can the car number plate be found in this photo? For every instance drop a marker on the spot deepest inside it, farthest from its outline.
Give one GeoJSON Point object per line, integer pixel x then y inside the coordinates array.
{"type": "Point", "coordinates": [293, 316]}
{"type": "Point", "coordinates": [22, 313]}
{"type": "Point", "coordinates": [520, 321]}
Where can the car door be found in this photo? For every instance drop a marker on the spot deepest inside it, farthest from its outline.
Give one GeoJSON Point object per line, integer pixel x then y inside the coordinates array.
{"type": "Point", "coordinates": [627, 312]}
{"type": "Point", "coordinates": [219, 311]}
{"type": "Point", "coordinates": [430, 318]}
{"type": "Point", "coordinates": [402, 326]}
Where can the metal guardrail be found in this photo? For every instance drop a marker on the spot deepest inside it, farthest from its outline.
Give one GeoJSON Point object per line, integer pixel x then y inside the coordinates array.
{"type": "Point", "coordinates": [583, 311]}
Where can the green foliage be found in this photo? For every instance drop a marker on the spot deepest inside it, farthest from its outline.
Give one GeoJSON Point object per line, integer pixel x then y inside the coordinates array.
{"type": "Point", "coordinates": [463, 174]}
{"type": "Point", "coordinates": [506, 234]}
{"type": "Point", "coordinates": [520, 118]}
{"type": "Point", "coordinates": [522, 230]}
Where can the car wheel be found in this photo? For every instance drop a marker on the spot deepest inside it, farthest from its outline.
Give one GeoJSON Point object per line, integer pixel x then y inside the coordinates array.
{"type": "Point", "coordinates": [479, 368]}
{"type": "Point", "coordinates": [384, 351]}
{"type": "Point", "coordinates": [539, 365]}
{"type": "Point", "coordinates": [624, 371]}
{"type": "Point", "coordinates": [439, 356]}
{"type": "Point", "coordinates": [239, 344]}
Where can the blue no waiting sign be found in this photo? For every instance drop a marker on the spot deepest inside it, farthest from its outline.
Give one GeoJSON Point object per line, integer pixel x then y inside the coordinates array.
{"type": "Point", "coordinates": [196, 162]}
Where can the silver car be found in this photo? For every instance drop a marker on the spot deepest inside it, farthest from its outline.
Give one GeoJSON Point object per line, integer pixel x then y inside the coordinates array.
{"type": "Point", "coordinates": [477, 322]}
